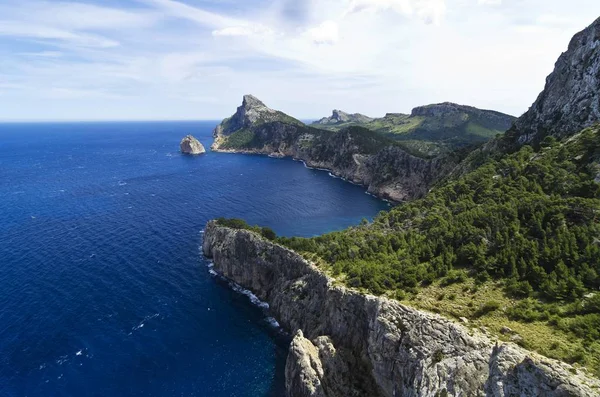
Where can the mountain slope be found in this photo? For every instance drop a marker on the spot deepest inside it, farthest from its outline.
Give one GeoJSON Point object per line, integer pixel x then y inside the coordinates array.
{"type": "Point", "coordinates": [433, 129]}
{"type": "Point", "coordinates": [571, 98]}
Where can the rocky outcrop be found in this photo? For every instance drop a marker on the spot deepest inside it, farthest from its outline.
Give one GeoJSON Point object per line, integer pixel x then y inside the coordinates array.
{"type": "Point", "coordinates": [339, 117]}
{"type": "Point", "coordinates": [350, 344]}
{"type": "Point", "coordinates": [570, 101]}
{"type": "Point", "coordinates": [190, 145]}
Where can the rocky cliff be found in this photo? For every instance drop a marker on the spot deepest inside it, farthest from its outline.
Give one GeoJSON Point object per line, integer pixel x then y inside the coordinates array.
{"type": "Point", "coordinates": [190, 145]}
{"type": "Point", "coordinates": [570, 101]}
{"type": "Point", "coordinates": [354, 153]}
{"type": "Point", "coordinates": [350, 344]}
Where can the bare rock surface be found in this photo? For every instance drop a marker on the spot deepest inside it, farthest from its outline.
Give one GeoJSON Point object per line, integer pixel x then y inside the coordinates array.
{"type": "Point", "coordinates": [570, 101]}
{"type": "Point", "coordinates": [190, 145]}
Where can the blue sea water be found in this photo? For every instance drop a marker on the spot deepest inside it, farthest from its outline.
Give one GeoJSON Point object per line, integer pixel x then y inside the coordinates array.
{"type": "Point", "coordinates": [103, 288]}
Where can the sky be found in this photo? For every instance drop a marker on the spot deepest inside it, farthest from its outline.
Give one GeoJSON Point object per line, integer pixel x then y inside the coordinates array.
{"type": "Point", "coordinates": [195, 59]}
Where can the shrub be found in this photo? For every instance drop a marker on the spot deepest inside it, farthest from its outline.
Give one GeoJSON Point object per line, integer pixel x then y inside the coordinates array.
{"type": "Point", "coordinates": [486, 308]}
{"type": "Point", "coordinates": [268, 233]}
{"type": "Point", "coordinates": [519, 289]}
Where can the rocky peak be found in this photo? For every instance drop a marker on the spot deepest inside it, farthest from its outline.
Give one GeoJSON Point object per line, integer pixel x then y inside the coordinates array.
{"type": "Point", "coordinates": [339, 116]}
{"type": "Point", "coordinates": [251, 113]}
{"type": "Point", "coordinates": [250, 102]}
{"type": "Point", "coordinates": [570, 100]}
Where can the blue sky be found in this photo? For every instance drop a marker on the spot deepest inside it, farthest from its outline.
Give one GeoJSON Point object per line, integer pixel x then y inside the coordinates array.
{"type": "Point", "coordinates": [194, 59]}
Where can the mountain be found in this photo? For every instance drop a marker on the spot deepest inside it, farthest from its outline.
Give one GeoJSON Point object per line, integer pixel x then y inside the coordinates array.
{"type": "Point", "coordinates": [433, 129]}
{"type": "Point", "coordinates": [339, 117]}
{"type": "Point", "coordinates": [509, 247]}
{"type": "Point", "coordinates": [570, 101]}
{"type": "Point", "coordinates": [354, 153]}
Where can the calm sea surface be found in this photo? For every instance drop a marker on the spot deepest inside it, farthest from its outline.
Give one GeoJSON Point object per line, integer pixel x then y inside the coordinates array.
{"type": "Point", "coordinates": [103, 289]}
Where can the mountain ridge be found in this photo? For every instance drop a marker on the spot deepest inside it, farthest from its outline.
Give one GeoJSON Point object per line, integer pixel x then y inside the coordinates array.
{"type": "Point", "coordinates": [433, 129]}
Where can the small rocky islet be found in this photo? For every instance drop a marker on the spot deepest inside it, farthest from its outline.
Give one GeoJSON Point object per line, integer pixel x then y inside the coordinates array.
{"type": "Point", "coordinates": [192, 146]}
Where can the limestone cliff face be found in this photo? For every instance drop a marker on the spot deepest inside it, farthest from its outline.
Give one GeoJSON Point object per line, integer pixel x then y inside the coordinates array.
{"type": "Point", "coordinates": [190, 145]}
{"type": "Point", "coordinates": [570, 101]}
{"type": "Point", "coordinates": [350, 344]}
{"type": "Point", "coordinates": [354, 153]}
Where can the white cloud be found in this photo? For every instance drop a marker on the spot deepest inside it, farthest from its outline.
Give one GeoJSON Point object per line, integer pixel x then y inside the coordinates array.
{"type": "Point", "coordinates": [490, 2]}
{"type": "Point", "coordinates": [326, 33]}
{"type": "Point", "coordinates": [400, 6]}
{"type": "Point", "coordinates": [430, 11]}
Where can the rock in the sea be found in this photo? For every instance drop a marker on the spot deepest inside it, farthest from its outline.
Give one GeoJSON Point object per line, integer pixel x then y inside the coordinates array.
{"type": "Point", "coordinates": [190, 145]}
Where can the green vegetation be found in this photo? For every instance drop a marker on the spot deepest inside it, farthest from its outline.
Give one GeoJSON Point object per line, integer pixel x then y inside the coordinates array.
{"type": "Point", "coordinates": [429, 136]}
{"type": "Point", "coordinates": [530, 221]}
{"type": "Point", "coordinates": [514, 244]}
{"type": "Point", "coordinates": [266, 232]}
{"type": "Point", "coordinates": [239, 139]}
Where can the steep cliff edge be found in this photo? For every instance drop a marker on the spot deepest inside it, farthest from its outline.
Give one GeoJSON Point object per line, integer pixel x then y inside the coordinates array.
{"type": "Point", "coordinates": [350, 344]}
{"type": "Point", "coordinates": [353, 153]}
{"type": "Point", "coordinates": [570, 100]}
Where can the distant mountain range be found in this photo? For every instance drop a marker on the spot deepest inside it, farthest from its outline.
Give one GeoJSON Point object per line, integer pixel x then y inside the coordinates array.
{"type": "Point", "coordinates": [429, 130]}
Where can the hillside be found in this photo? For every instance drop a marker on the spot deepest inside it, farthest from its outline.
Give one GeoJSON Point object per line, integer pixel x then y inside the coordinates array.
{"type": "Point", "coordinates": [430, 130]}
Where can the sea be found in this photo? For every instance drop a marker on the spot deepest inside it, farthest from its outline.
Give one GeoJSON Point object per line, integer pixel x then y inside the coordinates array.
{"type": "Point", "coordinates": [103, 287]}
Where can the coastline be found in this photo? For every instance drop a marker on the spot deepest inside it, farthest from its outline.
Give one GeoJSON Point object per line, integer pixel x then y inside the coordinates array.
{"type": "Point", "coordinates": [332, 173]}
{"type": "Point", "coordinates": [346, 340]}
